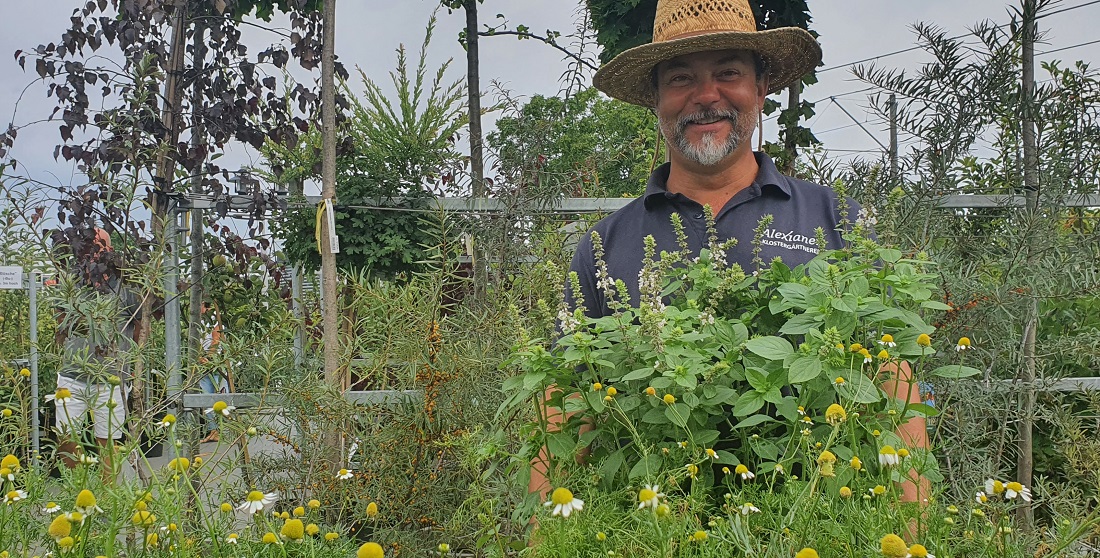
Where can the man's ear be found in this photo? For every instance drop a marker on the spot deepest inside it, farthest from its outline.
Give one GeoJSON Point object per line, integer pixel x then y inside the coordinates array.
{"type": "Point", "coordinates": [762, 88]}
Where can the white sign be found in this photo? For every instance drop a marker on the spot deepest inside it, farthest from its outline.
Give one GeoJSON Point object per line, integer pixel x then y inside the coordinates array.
{"type": "Point", "coordinates": [11, 277]}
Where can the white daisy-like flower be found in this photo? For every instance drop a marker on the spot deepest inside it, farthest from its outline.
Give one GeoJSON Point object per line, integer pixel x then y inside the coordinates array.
{"type": "Point", "coordinates": [86, 459]}
{"type": "Point", "coordinates": [62, 396]}
{"type": "Point", "coordinates": [231, 538]}
{"type": "Point", "coordinates": [1014, 489]}
{"type": "Point", "coordinates": [994, 487]}
{"type": "Point", "coordinates": [981, 497]}
{"type": "Point", "coordinates": [744, 471]}
{"type": "Point", "coordinates": [344, 474]}
{"type": "Point", "coordinates": [918, 551]}
{"type": "Point", "coordinates": [167, 421]}
{"type": "Point", "coordinates": [256, 500]}
{"type": "Point", "coordinates": [887, 341]}
{"type": "Point", "coordinates": [888, 456]}
{"type": "Point", "coordinates": [564, 502]}
{"type": "Point", "coordinates": [51, 507]}
{"type": "Point", "coordinates": [650, 496]}
{"type": "Point", "coordinates": [748, 508]}
{"type": "Point", "coordinates": [220, 407]}
{"type": "Point", "coordinates": [963, 344]}
{"type": "Point", "coordinates": [711, 454]}
{"type": "Point", "coordinates": [15, 496]}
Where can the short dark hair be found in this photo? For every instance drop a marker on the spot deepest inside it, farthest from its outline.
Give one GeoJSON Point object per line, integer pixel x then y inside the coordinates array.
{"type": "Point", "coordinates": [759, 63]}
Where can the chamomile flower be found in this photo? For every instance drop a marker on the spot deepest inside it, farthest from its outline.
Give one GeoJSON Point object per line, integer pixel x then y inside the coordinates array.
{"type": "Point", "coordinates": [256, 500]}
{"type": "Point", "coordinates": [887, 341]}
{"type": "Point", "coordinates": [994, 487]}
{"type": "Point", "coordinates": [6, 474]}
{"type": "Point", "coordinates": [918, 551]}
{"type": "Point", "coordinates": [167, 421]}
{"type": "Point", "coordinates": [692, 469]}
{"type": "Point", "coordinates": [826, 461]}
{"type": "Point", "coordinates": [835, 414]}
{"type": "Point", "coordinates": [51, 507]}
{"type": "Point", "coordinates": [370, 550]}
{"type": "Point", "coordinates": [86, 503]}
{"type": "Point", "coordinates": [14, 496]}
{"type": "Point", "coordinates": [924, 340]}
{"type": "Point", "coordinates": [845, 492]}
{"type": "Point", "coordinates": [711, 454]}
{"type": "Point", "coordinates": [744, 471]}
{"type": "Point", "coordinates": [748, 508]}
{"type": "Point", "coordinates": [867, 359]}
{"type": "Point", "coordinates": [59, 528]}
{"type": "Point", "coordinates": [963, 344]}
{"type": "Point", "coordinates": [10, 462]}
{"type": "Point", "coordinates": [807, 553]}
{"type": "Point", "coordinates": [231, 538]}
{"type": "Point", "coordinates": [344, 474]}
{"type": "Point", "coordinates": [883, 355]}
{"type": "Point", "coordinates": [650, 496]}
{"type": "Point", "coordinates": [981, 497]}
{"type": "Point", "coordinates": [1015, 489]}
{"type": "Point", "coordinates": [563, 502]}
{"type": "Point", "coordinates": [892, 546]}
{"type": "Point", "coordinates": [86, 459]}
{"type": "Point", "coordinates": [372, 510]}
{"type": "Point", "coordinates": [856, 463]}
{"type": "Point", "coordinates": [888, 456]}
{"type": "Point", "coordinates": [293, 529]}
{"type": "Point", "coordinates": [62, 396]}
{"type": "Point", "coordinates": [220, 407]}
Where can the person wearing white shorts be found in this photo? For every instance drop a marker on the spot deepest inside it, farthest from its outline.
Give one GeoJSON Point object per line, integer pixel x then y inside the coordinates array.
{"type": "Point", "coordinates": [108, 419]}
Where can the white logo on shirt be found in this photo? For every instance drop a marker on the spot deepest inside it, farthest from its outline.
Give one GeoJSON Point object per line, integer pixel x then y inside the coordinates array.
{"type": "Point", "coordinates": [789, 240]}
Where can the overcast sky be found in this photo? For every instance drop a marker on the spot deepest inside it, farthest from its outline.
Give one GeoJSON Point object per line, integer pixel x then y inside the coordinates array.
{"type": "Point", "coordinates": [369, 31]}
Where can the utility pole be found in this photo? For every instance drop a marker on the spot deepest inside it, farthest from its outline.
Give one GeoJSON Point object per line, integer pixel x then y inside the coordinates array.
{"type": "Point", "coordinates": [1025, 462]}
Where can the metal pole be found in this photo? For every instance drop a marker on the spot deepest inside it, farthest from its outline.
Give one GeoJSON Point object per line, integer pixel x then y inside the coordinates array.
{"type": "Point", "coordinates": [36, 428]}
{"type": "Point", "coordinates": [172, 316]}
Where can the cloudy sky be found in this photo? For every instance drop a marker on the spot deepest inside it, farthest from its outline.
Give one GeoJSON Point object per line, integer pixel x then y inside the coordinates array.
{"type": "Point", "coordinates": [369, 31]}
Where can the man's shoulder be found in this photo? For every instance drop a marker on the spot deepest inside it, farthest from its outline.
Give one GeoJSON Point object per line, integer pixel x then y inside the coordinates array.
{"type": "Point", "coordinates": [625, 215]}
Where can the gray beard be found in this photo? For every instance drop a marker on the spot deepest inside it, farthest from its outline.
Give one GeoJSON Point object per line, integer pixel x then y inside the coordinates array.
{"type": "Point", "coordinates": [713, 148]}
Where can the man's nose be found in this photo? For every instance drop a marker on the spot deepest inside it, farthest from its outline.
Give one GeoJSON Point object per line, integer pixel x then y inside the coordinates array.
{"type": "Point", "coordinates": [707, 92]}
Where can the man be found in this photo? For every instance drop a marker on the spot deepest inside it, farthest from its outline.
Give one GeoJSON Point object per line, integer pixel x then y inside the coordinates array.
{"type": "Point", "coordinates": [706, 75]}
{"type": "Point", "coordinates": [95, 331]}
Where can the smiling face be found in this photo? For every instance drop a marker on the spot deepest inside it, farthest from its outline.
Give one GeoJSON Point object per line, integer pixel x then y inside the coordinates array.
{"type": "Point", "coordinates": [707, 104]}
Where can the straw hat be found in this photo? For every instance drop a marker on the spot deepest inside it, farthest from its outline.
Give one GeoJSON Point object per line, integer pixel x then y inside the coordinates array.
{"type": "Point", "coordinates": [689, 26]}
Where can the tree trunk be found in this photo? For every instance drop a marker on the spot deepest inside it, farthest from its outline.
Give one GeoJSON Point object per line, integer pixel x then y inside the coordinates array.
{"type": "Point", "coordinates": [328, 192]}
{"type": "Point", "coordinates": [198, 132]}
{"type": "Point", "coordinates": [1025, 462]}
{"type": "Point", "coordinates": [477, 160]}
{"type": "Point", "coordinates": [473, 79]}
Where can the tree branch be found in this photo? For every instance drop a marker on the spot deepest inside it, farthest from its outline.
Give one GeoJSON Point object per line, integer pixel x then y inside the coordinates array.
{"type": "Point", "coordinates": [545, 40]}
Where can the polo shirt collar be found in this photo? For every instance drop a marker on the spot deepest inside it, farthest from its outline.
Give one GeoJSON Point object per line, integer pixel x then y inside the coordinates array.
{"type": "Point", "coordinates": [767, 175]}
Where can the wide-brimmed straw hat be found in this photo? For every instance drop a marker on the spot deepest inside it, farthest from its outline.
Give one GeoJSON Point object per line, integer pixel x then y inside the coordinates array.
{"type": "Point", "coordinates": [689, 26]}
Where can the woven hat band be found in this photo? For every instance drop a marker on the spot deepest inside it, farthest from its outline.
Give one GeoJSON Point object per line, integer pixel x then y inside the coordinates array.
{"type": "Point", "coordinates": [684, 18]}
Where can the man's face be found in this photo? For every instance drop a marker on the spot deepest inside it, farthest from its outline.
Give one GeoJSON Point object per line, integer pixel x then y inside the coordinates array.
{"type": "Point", "coordinates": [707, 104]}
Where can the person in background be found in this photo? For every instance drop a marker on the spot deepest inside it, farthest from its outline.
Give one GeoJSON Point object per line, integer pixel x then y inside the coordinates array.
{"type": "Point", "coordinates": [214, 382]}
{"type": "Point", "coordinates": [96, 331]}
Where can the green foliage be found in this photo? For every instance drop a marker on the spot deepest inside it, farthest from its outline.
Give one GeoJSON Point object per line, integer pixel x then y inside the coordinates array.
{"type": "Point", "coordinates": [752, 401]}
{"type": "Point", "coordinates": [399, 151]}
{"type": "Point", "coordinates": [584, 145]}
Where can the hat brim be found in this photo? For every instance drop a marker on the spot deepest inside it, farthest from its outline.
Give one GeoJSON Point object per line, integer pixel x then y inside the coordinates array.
{"type": "Point", "coordinates": [789, 54]}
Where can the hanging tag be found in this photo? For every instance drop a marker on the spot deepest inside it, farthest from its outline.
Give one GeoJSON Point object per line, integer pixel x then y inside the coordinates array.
{"type": "Point", "coordinates": [333, 240]}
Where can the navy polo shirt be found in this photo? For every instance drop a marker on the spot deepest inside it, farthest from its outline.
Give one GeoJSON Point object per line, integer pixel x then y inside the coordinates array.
{"type": "Point", "coordinates": [797, 207]}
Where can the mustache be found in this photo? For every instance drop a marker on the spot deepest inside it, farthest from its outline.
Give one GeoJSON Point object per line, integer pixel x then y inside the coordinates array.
{"type": "Point", "coordinates": [731, 114]}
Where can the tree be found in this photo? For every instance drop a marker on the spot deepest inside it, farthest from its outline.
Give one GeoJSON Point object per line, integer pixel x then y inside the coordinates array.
{"type": "Point", "coordinates": [584, 145]}
{"type": "Point", "coordinates": [395, 153]}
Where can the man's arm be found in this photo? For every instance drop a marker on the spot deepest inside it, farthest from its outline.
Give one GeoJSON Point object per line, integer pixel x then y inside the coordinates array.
{"type": "Point", "coordinates": [914, 431]}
